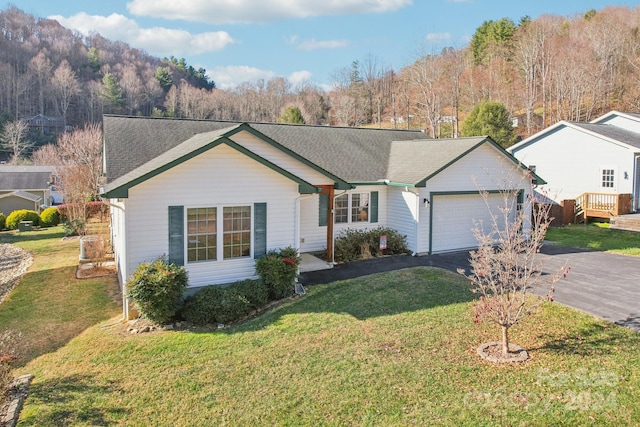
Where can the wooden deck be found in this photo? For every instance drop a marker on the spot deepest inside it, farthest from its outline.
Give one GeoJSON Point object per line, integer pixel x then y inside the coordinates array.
{"type": "Point", "coordinates": [630, 222]}
{"type": "Point", "coordinates": [601, 205]}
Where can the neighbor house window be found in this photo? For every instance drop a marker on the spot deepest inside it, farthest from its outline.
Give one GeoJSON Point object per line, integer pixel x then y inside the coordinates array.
{"type": "Point", "coordinates": [237, 232]}
{"type": "Point", "coordinates": [360, 207]}
{"type": "Point", "coordinates": [202, 234]}
{"type": "Point", "coordinates": [608, 178]}
{"type": "Point", "coordinates": [341, 212]}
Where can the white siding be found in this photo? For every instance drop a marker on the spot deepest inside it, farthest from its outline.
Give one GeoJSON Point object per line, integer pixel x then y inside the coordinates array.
{"type": "Point", "coordinates": [220, 177]}
{"type": "Point", "coordinates": [313, 238]}
{"type": "Point", "coordinates": [278, 157]}
{"type": "Point", "coordinates": [571, 162]}
{"type": "Point", "coordinates": [485, 168]}
{"type": "Point", "coordinates": [118, 232]}
{"type": "Point", "coordinates": [403, 207]}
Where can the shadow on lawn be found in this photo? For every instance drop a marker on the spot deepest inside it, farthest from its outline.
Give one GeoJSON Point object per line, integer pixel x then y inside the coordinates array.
{"type": "Point", "coordinates": [593, 340]}
{"type": "Point", "coordinates": [42, 234]}
{"type": "Point", "coordinates": [376, 295]}
{"type": "Point", "coordinates": [64, 406]}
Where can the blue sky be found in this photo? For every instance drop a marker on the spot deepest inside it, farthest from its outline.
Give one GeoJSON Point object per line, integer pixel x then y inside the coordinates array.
{"type": "Point", "coordinates": [302, 40]}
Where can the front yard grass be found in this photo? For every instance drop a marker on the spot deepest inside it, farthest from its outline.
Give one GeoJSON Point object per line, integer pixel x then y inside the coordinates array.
{"type": "Point", "coordinates": [596, 236]}
{"type": "Point", "coordinates": [50, 306]}
{"type": "Point", "coordinates": [395, 348]}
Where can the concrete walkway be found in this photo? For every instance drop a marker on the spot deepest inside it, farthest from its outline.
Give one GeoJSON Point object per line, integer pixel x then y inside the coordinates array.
{"type": "Point", "coordinates": [601, 284]}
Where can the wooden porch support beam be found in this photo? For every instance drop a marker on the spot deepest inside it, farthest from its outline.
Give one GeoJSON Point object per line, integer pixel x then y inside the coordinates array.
{"type": "Point", "coordinates": [329, 191]}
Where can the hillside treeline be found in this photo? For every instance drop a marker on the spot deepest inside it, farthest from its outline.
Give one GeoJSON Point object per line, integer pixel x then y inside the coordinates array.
{"type": "Point", "coordinates": [542, 70]}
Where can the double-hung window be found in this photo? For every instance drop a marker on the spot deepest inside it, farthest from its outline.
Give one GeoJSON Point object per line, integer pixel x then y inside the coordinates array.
{"type": "Point", "coordinates": [351, 208]}
{"type": "Point", "coordinates": [206, 243]}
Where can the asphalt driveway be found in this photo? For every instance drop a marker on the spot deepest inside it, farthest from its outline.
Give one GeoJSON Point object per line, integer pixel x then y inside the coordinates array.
{"type": "Point", "coordinates": [601, 284]}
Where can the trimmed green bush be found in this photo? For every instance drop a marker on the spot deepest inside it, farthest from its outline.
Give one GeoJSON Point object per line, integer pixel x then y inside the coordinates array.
{"type": "Point", "coordinates": [15, 217]}
{"type": "Point", "coordinates": [202, 307]}
{"type": "Point", "coordinates": [50, 217]}
{"type": "Point", "coordinates": [3, 220]}
{"type": "Point", "coordinates": [255, 291]}
{"type": "Point", "coordinates": [355, 244]}
{"type": "Point", "coordinates": [277, 270]}
{"type": "Point", "coordinates": [216, 304]}
{"type": "Point", "coordinates": [156, 288]}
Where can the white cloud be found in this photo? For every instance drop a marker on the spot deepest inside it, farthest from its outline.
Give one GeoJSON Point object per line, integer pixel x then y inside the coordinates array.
{"type": "Point", "coordinates": [227, 77]}
{"type": "Point", "coordinates": [438, 37]}
{"type": "Point", "coordinates": [246, 11]}
{"type": "Point", "coordinates": [156, 40]}
{"type": "Point", "coordinates": [314, 44]}
{"type": "Point", "coordinates": [298, 77]}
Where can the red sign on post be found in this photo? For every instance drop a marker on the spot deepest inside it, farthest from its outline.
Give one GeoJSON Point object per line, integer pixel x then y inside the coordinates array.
{"type": "Point", "coordinates": [383, 242]}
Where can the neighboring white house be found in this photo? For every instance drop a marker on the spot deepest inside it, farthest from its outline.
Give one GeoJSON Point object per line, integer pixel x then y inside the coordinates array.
{"type": "Point", "coordinates": [213, 196]}
{"type": "Point", "coordinates": [602, 156]}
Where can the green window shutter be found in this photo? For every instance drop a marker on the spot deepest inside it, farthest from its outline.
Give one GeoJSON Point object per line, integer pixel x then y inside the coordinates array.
{"type": "Point", "coordinates": [259, 229]}
{"type": "Point", "coordinates": [373, 208]}
{"type": "Point", "coordinates": [176, 235]}
{"type": "Point", "coordinates": [323, 210]}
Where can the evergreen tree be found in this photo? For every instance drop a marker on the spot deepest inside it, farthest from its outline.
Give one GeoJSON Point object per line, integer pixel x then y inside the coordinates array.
{"type": "Point", "coordinates": [292, 115]}
{"type": "Point", "coordinates": [491, 118]}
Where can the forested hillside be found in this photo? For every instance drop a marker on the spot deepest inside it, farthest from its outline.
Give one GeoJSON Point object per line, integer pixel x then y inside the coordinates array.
{"type": "Point", "coordinates": [542, 70]}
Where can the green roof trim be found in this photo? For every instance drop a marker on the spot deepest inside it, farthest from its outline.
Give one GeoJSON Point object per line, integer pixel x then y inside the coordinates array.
{"type": "Point", "coordinates": [384, 182]}
{"type": "Point", "coordinates": [536, 179]}
{"type": "Point", "coordinates": [122, 190]}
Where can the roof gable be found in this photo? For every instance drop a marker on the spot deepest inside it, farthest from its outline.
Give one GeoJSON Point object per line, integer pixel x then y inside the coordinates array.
{"type": "Point", "coordinates": [611, 133]}
{"type": "Point", "coordinates": [186, 150]}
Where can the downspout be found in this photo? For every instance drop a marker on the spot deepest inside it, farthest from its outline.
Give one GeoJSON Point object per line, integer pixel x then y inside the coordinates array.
{"type": "Point", "coordinates": [416, 223]}
{"type": "Point", "coordinates": [125, 300]}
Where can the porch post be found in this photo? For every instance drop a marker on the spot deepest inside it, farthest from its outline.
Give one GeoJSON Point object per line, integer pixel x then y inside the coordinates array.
{"type": "Point", "coordinates": [329, 191]}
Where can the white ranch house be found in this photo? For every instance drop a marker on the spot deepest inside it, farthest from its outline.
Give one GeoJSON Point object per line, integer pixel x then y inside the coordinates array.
{"type": "Point", "coordinates": [213, 195]}
{"type": "Point", "coordinates": [602, 156]}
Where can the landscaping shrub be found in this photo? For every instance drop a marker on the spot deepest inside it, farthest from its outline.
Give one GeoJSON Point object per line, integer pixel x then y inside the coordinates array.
{"type": "Point", "coordinates": [15, 217]}
{"type": "Point", "coordinates": [156, 288]}
{"type": "Point", "coordinates": [255, 291]}
{"type": "Point", "coordinates": [277, 270]}
{"type": "Point", "coordinates": [202, 307]}
{"type": "Point", "coordinates": [355, 244]}
{"type": "Point", "coordinates": [3, 220]}
{"type": "Point", "coordinates": [216, 304]}
{"type": "Point", "coordinates": [50, 217]}
{"type": "Point", "coordinates": [98, 210]}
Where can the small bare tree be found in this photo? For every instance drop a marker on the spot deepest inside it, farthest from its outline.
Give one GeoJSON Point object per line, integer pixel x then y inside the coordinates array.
{"type": "Point", "coordinates": [12, 139]}
{"type": "Point", "coordinates": [505, 269]}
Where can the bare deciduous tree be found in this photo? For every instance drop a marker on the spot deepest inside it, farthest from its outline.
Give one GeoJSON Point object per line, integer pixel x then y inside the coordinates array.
{"type": "Point", "coordinates": [12, 139]}
{"type": "Point", "coordinates": [505, 269]}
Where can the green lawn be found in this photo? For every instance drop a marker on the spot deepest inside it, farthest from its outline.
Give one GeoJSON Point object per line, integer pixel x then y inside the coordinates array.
{"type": "Point", "coordinates": [394, 348]}
{"type": "Point", "coordinates": [50, 306]}
{"type": "Point", "coordinates": [596, 236]}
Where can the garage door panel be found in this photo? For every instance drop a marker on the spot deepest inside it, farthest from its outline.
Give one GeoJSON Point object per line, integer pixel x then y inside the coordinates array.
{"type": "Point", "coordinates": [456, 216]}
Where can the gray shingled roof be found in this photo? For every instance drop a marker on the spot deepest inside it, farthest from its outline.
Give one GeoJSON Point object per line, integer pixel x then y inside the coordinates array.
{"type": "Point", "coordinates": [23, 195]}
{"type": "Point", "coordinates": [613, 132]}
{"type": "Point", "coordinates": [353, 154]}
{"type": "Point", "coordinates": [24, 177]}
{"type": "Point", "coordinates": [413, 161]}
{"type": "Point", "coordinates": [136, 146]}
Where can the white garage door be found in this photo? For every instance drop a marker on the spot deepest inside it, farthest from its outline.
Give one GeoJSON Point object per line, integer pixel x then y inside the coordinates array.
{"type": "Point", "coordinates": [455, 217]}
